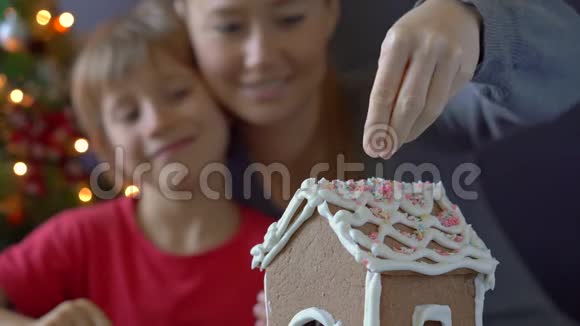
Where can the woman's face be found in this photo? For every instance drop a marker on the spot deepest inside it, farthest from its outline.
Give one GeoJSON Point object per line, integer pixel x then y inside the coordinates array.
{"type": "Point", "coordinates": [264, 59]}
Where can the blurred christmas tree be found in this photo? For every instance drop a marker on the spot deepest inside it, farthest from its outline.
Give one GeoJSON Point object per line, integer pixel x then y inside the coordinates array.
{"type": "Point", "coordinates": [41, 169]}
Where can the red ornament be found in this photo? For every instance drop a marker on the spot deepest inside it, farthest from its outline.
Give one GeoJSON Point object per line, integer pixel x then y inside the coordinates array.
{"type": "Point", "coordinates": [74, 171]}
{"type": "Point", "coordinates": [15, 219]}
{"type": "Point", "coordinates": [38, 136]}
{"type": "Point", "coordinates": [34, 184]}
{"type": "Point", "coordinates": [11, 207]}
{"type": "Point", "coordinates": [38, 152]}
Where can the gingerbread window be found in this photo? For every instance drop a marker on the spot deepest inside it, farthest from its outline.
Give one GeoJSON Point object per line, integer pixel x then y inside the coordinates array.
{"type": "Point", "coordinates": [313, 317]}
{"type": "Point", "coordinates": [432, 315]}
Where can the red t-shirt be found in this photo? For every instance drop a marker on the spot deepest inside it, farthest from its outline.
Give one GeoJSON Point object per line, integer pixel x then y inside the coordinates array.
{"type": "Point", "coordinates": [99, 253]}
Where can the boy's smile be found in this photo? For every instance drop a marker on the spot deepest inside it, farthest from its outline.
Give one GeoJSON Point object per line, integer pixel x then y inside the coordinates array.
{"type": "Point", "coordinates": [162, 114]}
{"type": "Point", "coordinates": [172, 147]}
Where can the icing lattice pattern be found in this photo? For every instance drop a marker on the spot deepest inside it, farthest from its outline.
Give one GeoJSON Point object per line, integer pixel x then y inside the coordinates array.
{"type": "Point", "coordinates": [415, 215]}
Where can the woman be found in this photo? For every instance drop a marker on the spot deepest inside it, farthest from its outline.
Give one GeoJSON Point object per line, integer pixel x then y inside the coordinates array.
{"type": "Point", "coordinates": [267, 62]}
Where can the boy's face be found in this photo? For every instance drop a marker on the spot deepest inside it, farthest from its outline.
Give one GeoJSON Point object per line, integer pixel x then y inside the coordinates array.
{"type": "Point", "coordinates": [162, 114]}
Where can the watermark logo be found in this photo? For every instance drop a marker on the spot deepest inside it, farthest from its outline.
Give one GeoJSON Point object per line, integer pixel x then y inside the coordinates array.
{"type": "Point", "coordinates": [471, 172]}
{"type": "Point", "coordinates": [170, 178]}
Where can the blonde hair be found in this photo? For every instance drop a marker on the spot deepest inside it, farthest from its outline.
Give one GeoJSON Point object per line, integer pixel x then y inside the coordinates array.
{"type": "Point", "coordinates": [116, 50]}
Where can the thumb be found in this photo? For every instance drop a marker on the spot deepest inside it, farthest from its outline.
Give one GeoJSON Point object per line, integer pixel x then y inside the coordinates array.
{"type": "Point", "coordinates": [96, 315]}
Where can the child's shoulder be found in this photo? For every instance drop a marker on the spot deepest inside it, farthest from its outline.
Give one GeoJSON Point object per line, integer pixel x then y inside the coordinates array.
{"type": "Point", "coordinates": [80, 219]}
{"type": "Point", "coordinates": [70, 232]}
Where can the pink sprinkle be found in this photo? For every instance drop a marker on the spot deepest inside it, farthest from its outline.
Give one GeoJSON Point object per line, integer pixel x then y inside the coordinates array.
{"type": "Point", "coordinates": [365, 262]}
{"type": "Point", "coordinates": [452, 221]}
{"type": "Point", "coordinates": [441, 252]}
{"type": "Point", "coordinates": [385, 189]}
{"type": "Point", "coordinates": [374, 236]}
{"type": "Point", "coordinates": [454, 207]}
{"type": "Point", "coordinates": [458, 238]}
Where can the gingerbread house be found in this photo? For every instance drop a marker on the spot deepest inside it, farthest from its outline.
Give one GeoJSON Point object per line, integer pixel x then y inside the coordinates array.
{"type": "Point", "coordinates": [373, 252]}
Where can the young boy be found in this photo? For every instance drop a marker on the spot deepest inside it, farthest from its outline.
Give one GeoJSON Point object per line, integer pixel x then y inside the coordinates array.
{"type": "Point", "coordinates": [173, 256]}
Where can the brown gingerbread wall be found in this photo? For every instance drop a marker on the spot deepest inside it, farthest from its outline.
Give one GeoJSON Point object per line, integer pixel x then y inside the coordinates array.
{"type": "Point", "coordinates": [402, 293]}
{"type": "Point", "coordinates": [314, 253]}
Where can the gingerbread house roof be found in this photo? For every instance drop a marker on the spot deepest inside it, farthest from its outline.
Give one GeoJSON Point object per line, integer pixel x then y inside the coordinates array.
{"type": "Point", "coordinates": [417, 228]}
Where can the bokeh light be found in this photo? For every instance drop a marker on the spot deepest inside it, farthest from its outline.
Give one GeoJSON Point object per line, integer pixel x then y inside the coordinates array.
{"type": "Point", "coordinates": [20, 168]}
{"type": "Point", "coordinates": [81, 145]}
{"type": "Point", "coordinates": [85, 195]}
{"type": "Point", "coordinates": [66, 20]}
{"type": "Point", "coordinates": [43, 17]}
{"type": "Point", "coordinates": [132, 191]}
{"type": "Point", "coordinates": [16, 96]}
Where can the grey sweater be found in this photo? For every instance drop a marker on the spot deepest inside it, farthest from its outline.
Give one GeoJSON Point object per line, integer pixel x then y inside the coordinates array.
{"type": "Point", "coordinates": [528, 72]}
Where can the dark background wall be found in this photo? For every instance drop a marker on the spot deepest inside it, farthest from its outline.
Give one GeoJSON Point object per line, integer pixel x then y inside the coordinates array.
{"type": "Point", "coordinates": [363, 26]}
{"type": "Point", "coordinates": [89, 13]}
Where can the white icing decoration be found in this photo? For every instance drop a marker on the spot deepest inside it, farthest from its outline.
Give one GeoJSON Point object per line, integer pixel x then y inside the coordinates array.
{"type": "Point", "coordinates": [483, 283]}
{"type": "Point", "coordinates": [398, 190]}
{"type": "Point", "coordinates": [313, 314]}
{"type": "Point", "coordinates": [373, 288]}
{"type": "Point", "coordinates": [395, 203]}
{"type": "Point", "coordinates": [414, 191]}
{"type": "Point", "coordinates": [266, 301]}
{"type": "Point", "coordinates": [279, 233]}
{"type": "Point", "coordinates": [431, 312]}
{"type": "Point", "coordinates": [438, 191]}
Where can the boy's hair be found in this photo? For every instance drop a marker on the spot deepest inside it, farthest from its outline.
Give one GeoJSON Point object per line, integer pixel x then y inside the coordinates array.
{"type": "Point", "coordinates": [116, 50]}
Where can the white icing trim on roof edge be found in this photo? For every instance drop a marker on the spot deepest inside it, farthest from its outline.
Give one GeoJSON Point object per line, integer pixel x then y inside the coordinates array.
{"type": "Point", "coordinates": [470, 251]}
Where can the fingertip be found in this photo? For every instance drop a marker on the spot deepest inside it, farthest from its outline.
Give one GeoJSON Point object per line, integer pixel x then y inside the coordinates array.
{"type": "Point", "coordinates": [413, 136]}
{"type": "Point", "coordinates": [387, 155]}
{"type": "Point", "coordinates": [368, 150]}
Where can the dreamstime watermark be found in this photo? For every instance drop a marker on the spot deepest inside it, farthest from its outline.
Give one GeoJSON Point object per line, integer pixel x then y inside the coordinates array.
{"type": "Point", "coordinates": [171, 177]}
{"type": "Point", "coordinates": [381, 139]}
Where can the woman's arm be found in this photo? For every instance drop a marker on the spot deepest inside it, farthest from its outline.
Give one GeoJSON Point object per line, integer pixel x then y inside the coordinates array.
{"type": "Point", "coordinates": [529, 70]}
{"type": "Point", "coordinates": [528, 56]}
